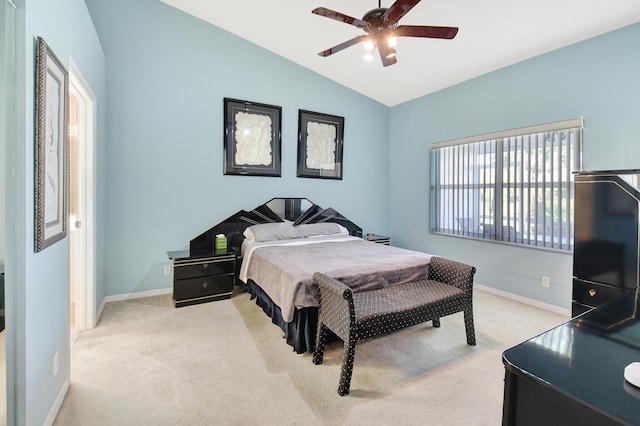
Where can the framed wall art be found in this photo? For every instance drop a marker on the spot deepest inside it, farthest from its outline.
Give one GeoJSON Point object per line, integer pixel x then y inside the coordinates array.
{"type": "Point", "coordinates": [51, 148]}
{"type": "Point", "coordinates": [252, 138]}
{"type": "Point", "coordinates": [320, 141]}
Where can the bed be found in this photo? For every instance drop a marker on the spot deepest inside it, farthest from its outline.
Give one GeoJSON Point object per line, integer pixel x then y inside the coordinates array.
{"type": "Point", "coordinates": [283, 242]}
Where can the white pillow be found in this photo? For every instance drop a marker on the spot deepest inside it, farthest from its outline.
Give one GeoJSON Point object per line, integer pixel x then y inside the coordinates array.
{"type": "Point", "coordinates": [324, 228]}
{"type": "Point", "coordinates": [270, 232]}
{"type": "Point", "coordinates": [286, 231]}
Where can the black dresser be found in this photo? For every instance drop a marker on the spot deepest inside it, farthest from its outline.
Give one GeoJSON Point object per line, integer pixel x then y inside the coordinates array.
{"type": "Point", "coordinates": [574, 374]}
{"type": "Point", "coordinates": [606, 256]}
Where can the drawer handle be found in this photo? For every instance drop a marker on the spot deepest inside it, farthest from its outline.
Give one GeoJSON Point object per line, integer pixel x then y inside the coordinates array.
{"type": "Point", "coordinates": [592, 292]}
{"type": "Point", "coordinates": [205, 265]}
{"type": "Point", "coordinates": [205, 284]}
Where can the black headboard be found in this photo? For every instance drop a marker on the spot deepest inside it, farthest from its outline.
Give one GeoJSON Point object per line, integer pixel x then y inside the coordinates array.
{"type": "Point", "coordinates": [297, 210]}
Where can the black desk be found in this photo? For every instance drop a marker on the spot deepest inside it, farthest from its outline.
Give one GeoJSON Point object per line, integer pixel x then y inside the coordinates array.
{"type": "Point", "coordinates": [573, 374]}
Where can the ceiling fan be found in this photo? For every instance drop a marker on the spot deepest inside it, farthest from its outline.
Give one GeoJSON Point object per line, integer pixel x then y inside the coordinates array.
{"type": "Point", "coordinates": [381, 25]}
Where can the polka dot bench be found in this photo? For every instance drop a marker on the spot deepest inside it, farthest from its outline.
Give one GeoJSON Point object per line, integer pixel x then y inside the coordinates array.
{"type": "Point", "coordinates": [368, 314]}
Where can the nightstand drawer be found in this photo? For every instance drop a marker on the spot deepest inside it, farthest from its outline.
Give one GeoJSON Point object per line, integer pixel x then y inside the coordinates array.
{"type": "Point", "coordinates": [196, 288]}
{"type": "Point", "coordinates": [375, 238]}
{"type": "Point", "coordinates": [202, 267]}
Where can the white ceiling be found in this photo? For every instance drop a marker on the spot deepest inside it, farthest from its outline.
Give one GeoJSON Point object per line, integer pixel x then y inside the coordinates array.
{"type": "Point", "coordinates": [492, 35]}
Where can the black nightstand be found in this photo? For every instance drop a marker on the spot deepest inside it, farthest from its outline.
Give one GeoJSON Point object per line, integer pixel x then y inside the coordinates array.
{"type": "Point", "coordinates": [375, 238]}
{"type": "Point", "coordinates": [203, 277]}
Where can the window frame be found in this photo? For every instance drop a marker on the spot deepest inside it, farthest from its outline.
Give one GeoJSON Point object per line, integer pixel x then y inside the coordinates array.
{"type": "Point", "coordinates": [504, 155]}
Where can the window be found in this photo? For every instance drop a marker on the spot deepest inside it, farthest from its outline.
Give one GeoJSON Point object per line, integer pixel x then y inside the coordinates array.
{"type": "Point", "coordinates": [514, 186]}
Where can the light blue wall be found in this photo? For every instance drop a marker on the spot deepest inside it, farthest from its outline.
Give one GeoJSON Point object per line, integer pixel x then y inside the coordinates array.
{"type": "Point", "coordinates": [167, 75]}
{"type": "Point", "coordinates": [38, 308]}
{"type": "Point", "coordinates": [597, 79]}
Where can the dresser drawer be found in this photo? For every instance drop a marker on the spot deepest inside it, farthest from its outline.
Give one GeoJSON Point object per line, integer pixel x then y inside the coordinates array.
{"type": "Point", "coordinates": [592, 294]}
{"type": "Point", "coordinates": [202, 267]}
{"type": "Point", "coordinates": [202, 287]}
{"type": "Point", "coordinates": [579, 308]}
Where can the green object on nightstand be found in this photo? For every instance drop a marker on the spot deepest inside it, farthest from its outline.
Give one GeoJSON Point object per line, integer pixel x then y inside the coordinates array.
{"type": "Point", "coordinates": [221, 244]}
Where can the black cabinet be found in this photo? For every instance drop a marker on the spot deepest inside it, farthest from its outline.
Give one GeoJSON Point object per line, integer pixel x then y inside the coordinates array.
{"type": "Point", "coordinates": [202, 279]}
{"type": "Point", "coordinates": [606, 256]}
{"type": "Point", "coordinates": [588, 295]}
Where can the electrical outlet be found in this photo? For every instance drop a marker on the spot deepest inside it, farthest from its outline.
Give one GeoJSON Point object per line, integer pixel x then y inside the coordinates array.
{"type": "Point", "coordinates": [55, 363]}
{"type": "Point", "coordinates": [167, 269]}
{"type": "Point", "coordinates": [545, 282]}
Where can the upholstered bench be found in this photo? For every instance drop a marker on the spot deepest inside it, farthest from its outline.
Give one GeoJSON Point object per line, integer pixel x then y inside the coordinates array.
{"type": "Point", "coordinates": [365, 315]}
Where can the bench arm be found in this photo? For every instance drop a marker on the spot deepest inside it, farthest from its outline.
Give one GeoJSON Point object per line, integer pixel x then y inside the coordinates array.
{"type": "Point", "coordinates": [451, 272]}
{"type": "Point", "coordinates": [336, 299]}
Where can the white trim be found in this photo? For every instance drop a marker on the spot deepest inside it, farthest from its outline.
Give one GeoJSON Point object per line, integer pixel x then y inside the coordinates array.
{"type": "Point", "coordinates": [86, 294]}
{"type": "Point", "coordinates": [525, 300]}
{"type": "Point", "coordinates": [138, 295]}
{"type": "Point", "coordinates": [548, 127]}
{"type": "Point", "coordinates": [73, 338]}
{"type": "Point", "coordinates": [100, 310]}
{"type": "Point", "coordinates": [55, 408]}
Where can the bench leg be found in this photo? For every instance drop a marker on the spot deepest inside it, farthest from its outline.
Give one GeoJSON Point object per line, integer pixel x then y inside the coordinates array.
{"type": "Point", "coordinates": [321, 338]}
{"type": "Point", "coordinates": [436, 322]}
{"type": "Point", "coordinates": [347, 366]}
{"type": "Point", "coordinates": [468, 325]}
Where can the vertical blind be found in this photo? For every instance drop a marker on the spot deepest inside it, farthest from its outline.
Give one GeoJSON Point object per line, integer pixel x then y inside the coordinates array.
{"type": "Point", "coordinates": [514, 186]}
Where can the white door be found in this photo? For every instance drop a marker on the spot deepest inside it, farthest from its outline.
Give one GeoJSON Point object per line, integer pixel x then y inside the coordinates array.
{"type": "Point", "coordinates": [82, 202]}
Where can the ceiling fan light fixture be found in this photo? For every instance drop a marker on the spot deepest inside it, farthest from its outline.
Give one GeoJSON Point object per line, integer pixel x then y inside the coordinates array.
{"type": "Point", "coordinates": [369, 46]}
{"type": "Point", "coordinates": [392, 40]}
{"type": "Point", "coordinates": [369, 56]}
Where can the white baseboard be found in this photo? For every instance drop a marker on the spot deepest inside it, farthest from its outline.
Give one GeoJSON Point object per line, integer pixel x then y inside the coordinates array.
{"type": "Point", "coordinates": [138, 295]}
{"type": "Point", "coordinates": [131, 296]}
{"type": "Point", "coordinates": [100, 309]}
{"type": "Point", "coordinates": [53, 413]}
{"type": "Point", "coordinates": [525, 300]}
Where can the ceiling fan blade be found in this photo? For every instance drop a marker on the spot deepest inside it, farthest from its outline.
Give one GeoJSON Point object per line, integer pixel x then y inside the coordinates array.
{"type": "Point", "coordinates": [387, 54]}
{"type": "Point", "coordinates": [425, 31]}
{"type": "Point", "coordinates": [341, 17]}
{"type": "Point", "coordinates": [398, 10]}
{"type": "Point", "coordinates": [342, 46]}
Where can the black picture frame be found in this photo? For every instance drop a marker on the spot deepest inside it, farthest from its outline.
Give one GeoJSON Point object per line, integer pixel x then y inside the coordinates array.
{"type": "Point", "coordinates": [252, 138]}
{"type": "Point", "coordinates": [51, 180]}
{"type": "Point", "coordinates": [320, 145]}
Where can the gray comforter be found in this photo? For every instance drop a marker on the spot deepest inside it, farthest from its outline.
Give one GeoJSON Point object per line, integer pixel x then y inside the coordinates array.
{"type": "Point", "coordinates": [285, 272]}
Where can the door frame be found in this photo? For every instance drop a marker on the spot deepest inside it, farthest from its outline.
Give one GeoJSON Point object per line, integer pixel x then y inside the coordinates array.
{"type": "Point", "coordinates": [85, 262]}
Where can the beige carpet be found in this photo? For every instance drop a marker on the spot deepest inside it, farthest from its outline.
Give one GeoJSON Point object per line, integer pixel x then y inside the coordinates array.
{"type": "Point", "coordinates": [148, 363]}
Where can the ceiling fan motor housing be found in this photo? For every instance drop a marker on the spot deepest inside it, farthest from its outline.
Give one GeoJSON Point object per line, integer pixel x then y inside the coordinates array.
{"type": "Point", "coordinates": [375, 19]}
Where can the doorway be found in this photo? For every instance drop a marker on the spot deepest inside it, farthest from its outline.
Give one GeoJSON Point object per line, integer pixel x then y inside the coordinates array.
{"type": "Point", "coordinates": [82, 285]}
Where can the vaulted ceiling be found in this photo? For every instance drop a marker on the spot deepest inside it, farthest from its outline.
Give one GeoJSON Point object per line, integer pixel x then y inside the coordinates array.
{"type": "Point", "coordinates": [492, 34]}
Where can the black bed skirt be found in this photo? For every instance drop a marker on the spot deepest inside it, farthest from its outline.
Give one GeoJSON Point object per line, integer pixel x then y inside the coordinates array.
{"type": "Point", "coordinates": [301, 332]}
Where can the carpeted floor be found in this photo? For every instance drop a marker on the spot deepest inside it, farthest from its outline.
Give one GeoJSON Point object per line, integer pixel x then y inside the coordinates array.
{"type": "Point", "coordinates": [148, 363]}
